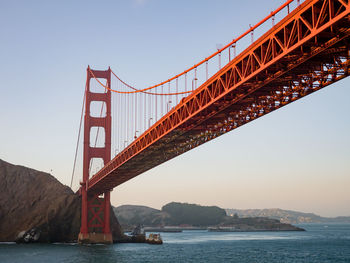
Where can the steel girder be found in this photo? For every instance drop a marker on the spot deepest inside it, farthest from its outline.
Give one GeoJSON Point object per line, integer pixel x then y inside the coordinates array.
{"type": "Point", "coordinates": [306, 51]}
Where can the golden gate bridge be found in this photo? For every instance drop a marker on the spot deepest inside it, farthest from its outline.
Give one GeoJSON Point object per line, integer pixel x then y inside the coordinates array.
{"type": "Point", "coordinates": [305, 51]}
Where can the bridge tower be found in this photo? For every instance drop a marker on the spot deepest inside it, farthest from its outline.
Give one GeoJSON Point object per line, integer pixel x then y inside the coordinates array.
{"type": "Point", "coordinates": [95, 209]}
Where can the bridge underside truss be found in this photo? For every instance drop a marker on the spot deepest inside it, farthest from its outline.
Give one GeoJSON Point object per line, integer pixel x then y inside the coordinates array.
{"type": "Point", "coordinates": [308, 50]}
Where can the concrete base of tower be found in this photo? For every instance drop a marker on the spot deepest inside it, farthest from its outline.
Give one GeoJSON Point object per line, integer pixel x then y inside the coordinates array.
{"type": "Point", "coordinates": [95, 238]}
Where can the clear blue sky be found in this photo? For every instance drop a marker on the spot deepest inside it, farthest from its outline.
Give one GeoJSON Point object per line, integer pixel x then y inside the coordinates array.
{"type": "Point", "coordinates": [295, 158]}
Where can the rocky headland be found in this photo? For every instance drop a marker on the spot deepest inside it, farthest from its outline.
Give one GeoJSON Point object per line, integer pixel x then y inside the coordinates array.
{"type": "Point", "coordinates": [34, 206]}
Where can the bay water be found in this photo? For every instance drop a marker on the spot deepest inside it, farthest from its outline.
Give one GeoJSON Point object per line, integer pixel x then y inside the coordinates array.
{"type": "Point", "coordinates": [319, 243]}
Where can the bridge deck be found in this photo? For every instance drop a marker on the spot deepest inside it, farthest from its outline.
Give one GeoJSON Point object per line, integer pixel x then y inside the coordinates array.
{"type": "Point", "coordinates": [306, 51]}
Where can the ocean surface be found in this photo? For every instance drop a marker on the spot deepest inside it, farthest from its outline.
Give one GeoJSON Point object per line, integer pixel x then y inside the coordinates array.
{"type": "Point", "coordinates": [320, 243]}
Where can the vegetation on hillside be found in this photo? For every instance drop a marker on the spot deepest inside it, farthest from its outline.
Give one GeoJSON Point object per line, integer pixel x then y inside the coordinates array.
{"type": "Point", "coordinates": [194, 215]}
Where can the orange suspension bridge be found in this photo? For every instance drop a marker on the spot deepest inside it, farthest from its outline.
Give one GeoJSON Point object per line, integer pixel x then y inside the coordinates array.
{"type": "Point", "coordinates": [306, 50]}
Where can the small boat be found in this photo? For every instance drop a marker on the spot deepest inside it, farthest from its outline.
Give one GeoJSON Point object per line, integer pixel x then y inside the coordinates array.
{"type": "Point", "coordinates": [154, 239]}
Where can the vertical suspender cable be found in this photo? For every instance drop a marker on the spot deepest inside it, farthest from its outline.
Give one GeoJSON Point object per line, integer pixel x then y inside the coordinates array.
{"type": "Point", "coordinates": [119, 121]}
{"type": "Point", "coordinates": [195, 78]}
{"type": "Point", "coordinates": [112, 137]}
{"type": "Point", "coordinates": [162, 102]}
{"type": "Point", "coordinates": [206, 69]}
{"type": "Point", "coordinates": [127, 119]}
{"type": "Point", "coordinates": [177, 90]}
{"type": "Point", "coordinates": [135, 128]}
{"type": "Point", "coordinates": [144, 112]}
{"type": "Point", "coordinates": [156, 106]}
{"type": "Point", "coordinates": [149, 108]}
{"type": "Point", "coordinates": [169, 97]}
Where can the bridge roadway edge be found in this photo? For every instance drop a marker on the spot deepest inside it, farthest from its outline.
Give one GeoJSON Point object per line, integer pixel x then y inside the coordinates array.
{"type": "Point", "coordinates": [127, 171]}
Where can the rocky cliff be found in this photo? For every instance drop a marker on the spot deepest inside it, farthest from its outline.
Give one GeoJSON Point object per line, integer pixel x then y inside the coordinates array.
{"type": "Point", "coordinates": [31, 199]}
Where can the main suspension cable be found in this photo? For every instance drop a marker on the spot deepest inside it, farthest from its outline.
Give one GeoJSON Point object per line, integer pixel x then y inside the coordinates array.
{"type": "Point", "coordinates": [147, 92]}
{"type": "Point", "coordinates": [135, 90]}
{"type": "Point", "coordinates": [77, 146]}
{"type": "Point", "coordinates": [184, 73]}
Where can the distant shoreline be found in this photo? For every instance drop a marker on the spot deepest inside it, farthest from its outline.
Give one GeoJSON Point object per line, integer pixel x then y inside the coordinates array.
{"type": "Point", "coordinates": [176, 217]}
{"type": "Point", "coordinates": [179, 230]}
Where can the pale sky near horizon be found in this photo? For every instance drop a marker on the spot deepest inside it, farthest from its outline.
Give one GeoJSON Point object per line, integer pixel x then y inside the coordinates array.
{"type": "Point", "coordinates": [296, 158]}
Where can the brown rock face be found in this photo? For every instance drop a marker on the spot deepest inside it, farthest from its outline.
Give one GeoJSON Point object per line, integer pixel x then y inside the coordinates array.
{"type": "Point", "coordinates": [33, 199]}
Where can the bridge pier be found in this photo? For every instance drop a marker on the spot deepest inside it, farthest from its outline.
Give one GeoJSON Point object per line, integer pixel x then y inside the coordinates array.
{"type": "Point", "coordinates": [95, 208]}
{"type": "Point", "coordinates": [95, 220]}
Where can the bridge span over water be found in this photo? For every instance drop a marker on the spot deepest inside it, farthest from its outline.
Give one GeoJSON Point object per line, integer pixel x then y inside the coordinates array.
{"type": "Point", "coordinates": [304, 52]}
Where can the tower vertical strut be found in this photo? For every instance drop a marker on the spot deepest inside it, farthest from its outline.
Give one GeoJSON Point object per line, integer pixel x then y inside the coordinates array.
{"type": "Point", "coordinates": [95, 209]}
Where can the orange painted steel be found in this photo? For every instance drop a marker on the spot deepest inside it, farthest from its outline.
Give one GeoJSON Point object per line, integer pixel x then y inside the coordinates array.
{"type": "Point", "coordinates": [150, 93]}
{"type": "Point", "coordinates": [135, 90]}
{"type": "Point", "coordinates": [307, 50]}
{"type": "Point", "coordinates": [95, 210]}
{"type": "Point", "coordinates": [251, 29]}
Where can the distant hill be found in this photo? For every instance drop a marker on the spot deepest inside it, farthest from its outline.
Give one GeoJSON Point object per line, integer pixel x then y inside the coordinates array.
{"type": "Point", "coordinates": [287, 216]}
{"type": "Point", "coordinates": [192, 215]}
{"type": "Point", "coordinates": [171, 214]}
{"type": "Point", "coordinates": [132, 215]}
